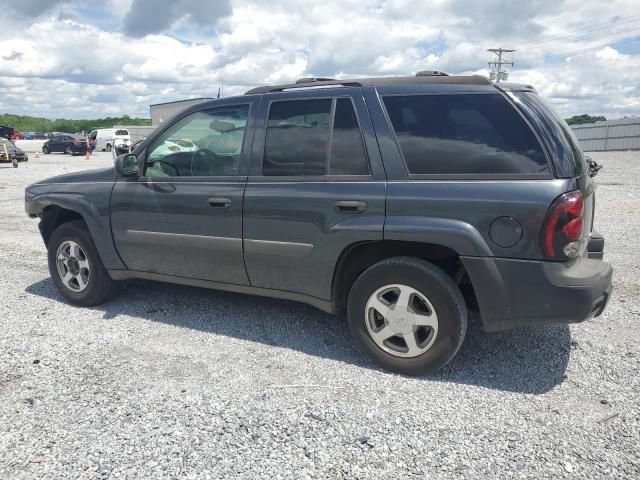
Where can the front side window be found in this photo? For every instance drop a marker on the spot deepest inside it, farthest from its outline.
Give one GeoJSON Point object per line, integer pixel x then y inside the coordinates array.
{"type": "Point", "coordinates": [303, 139]}
{"type": "Point", "coordinates": [464, 134]}
{"type": "Point", "coordinates": [205, 143]}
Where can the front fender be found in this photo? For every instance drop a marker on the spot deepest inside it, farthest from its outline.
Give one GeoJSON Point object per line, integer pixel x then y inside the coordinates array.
{"type": "Point", "coordinates": [90, 201]}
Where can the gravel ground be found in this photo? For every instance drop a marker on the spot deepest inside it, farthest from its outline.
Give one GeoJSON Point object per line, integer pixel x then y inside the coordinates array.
{"type": "Point", "coordinates": [176, 382]}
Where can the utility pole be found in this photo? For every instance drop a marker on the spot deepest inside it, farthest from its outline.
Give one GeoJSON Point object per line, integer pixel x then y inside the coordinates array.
{"type": "Point", "coordinates": [497, 73]}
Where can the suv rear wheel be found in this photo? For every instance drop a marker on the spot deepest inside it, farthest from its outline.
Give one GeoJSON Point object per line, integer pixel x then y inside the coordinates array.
{"type": "Point", "coordinates": [407, 315]}
{"type": "Point", "coordinates": [75, 266]}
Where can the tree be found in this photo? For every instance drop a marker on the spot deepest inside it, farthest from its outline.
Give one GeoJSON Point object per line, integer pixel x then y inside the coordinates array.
{"type": "Point", "coordinates": [26, 123]}
{"type": "Point", "coordinates": [584, 118]}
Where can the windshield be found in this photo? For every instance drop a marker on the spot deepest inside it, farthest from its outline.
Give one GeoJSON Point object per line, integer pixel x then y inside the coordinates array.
{"type": "Point", "coordinates": [556, 134]}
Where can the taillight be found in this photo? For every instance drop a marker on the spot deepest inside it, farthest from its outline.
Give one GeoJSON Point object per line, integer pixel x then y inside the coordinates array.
{"type": "Point", "coordinates": [562, 230]}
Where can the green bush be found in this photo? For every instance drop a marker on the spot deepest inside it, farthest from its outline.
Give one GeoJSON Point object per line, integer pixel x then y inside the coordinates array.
{"type": "Point", "coordinates": [26, 123]}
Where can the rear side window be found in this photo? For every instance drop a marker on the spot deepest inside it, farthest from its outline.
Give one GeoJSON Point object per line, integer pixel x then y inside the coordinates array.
{"type": "Point", "coordinates": [464, 134]}
{"type": "Point", "coordinates": [122, 132]}
{"type": "Point", "coordinates": [314, 138]}
{"type": "Point", "coordinates": [347, 150]}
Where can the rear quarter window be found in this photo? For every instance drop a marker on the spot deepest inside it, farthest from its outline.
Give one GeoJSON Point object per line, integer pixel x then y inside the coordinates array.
{"type": "Point", "coordinates": [557, 135]}
{"type": "Point", "coordinates": [464, 134]}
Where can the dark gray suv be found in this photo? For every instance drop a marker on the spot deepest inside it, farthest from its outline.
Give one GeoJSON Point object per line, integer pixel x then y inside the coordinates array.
{"type": "Point", "coordinates": [400, 203]}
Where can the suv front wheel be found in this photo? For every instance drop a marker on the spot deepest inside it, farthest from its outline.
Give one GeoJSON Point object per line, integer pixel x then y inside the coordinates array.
{"type": "Point", "coordinates": [75, 266]}
{"type": "Point", "coordinates": [408, 315]}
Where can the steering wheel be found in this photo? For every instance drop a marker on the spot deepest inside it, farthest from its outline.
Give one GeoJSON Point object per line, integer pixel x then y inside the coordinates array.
{"type": "Point", "coordinates": [172, 167]}
{"type": "Point", "coordinates": [203, 156]}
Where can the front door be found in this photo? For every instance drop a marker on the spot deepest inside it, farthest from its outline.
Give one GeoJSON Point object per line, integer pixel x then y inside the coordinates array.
{"type": "Point", "coordinates": [57, 144]}
{"type": "Point", "coordinates": [183, 216]}
{"type": "Point", "coordinates": [316, 187]}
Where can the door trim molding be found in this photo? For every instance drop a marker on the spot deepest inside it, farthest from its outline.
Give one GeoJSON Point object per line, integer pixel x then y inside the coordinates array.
{"type": "Point", "coordinates": [184, 240]}
{"type": "Point", "coordinates": [272, 247]}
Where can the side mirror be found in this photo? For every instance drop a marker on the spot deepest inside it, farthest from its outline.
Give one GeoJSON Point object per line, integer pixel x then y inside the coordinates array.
{"type": "Point", "coordinates": [128, 165]}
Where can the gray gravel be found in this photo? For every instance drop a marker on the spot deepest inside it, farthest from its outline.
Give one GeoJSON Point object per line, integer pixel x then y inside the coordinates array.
{"type": "Point", "coordinates": [176, 382]}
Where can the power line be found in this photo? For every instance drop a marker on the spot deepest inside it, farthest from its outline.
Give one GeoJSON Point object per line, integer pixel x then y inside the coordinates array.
{"type": "Point", "coordinates": [581, 50]}
{"type": "Point", "coordinates": [634, 30]}
{"type": "Point", "coordinates": [581, 31]}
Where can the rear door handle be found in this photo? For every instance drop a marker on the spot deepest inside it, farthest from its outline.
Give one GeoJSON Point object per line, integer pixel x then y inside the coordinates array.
{"type": "Point", "coordinates": [219, 202]}
{"type": "Point", "coordinates": [350, 206]}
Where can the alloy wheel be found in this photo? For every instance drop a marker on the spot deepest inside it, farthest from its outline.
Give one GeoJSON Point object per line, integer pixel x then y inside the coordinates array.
{"type": "Point", "coordinates": [73, 266]}
{"type": "Point", "coordinates": [401, 320]}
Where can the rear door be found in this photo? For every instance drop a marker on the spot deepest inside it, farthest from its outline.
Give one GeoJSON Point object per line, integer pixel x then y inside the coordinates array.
{"type": "Point", "coordinates": [316, 186]}
{"type": "Point", "coordinates": [460, 158]}
{"type": "Point", "coordinates": [183, 217]}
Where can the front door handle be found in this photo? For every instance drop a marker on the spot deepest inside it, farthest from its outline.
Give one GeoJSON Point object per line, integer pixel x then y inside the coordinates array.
{"type": "Point", "coordinates": [219, 202]}
{"type": "Point", "coordinates": [350, 206]}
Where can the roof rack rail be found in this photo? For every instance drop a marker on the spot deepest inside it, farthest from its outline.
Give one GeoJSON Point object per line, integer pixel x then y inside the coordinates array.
{"type": "Point", "coordinates": [305, 83]}
{"type": "Point", "coordinates": [314, 79]}
{"type": "Point", "coordinates": [431, 73]}
{"type": "Point", "coordinates": [421, 78]}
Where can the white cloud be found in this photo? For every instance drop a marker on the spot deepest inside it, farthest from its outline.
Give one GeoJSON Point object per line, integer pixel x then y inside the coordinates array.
{"type": "Point", "coordinates": [69, 60]}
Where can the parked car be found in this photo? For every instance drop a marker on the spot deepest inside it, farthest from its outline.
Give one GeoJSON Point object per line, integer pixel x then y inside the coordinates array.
{"type": "Point", "coordinates": [14, 152]}
{"type": "Point", "coordinates": [400, 203]}
{"type": "Point", "coordinates": [6, 132]}
{"type": "Point", "coordinates": [35, 136]}
{"type": "Point", "coordinates": [120, 147]}
{"type": "Point", "coordinates": [17, 135]}
{"type": "Point", "coordinates": [66, 143]}
{"type": "Point", "coordinates": [106, 138]}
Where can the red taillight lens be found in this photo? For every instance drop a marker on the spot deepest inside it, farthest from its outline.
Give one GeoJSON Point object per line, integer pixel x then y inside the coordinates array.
{"type": "Point", "coordinates": [563, 228]}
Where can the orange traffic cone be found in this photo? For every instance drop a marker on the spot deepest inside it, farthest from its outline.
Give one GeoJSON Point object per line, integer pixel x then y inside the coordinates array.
{"type": "Point", "coordinates": [37, 156]}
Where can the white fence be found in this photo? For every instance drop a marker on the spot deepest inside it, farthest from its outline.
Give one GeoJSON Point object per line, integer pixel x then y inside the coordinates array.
{"type": "Point", "coordinates": [621, 134]}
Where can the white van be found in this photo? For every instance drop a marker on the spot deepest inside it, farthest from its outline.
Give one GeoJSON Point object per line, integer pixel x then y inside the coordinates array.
{"type": "Point", "coordinates": [105, 138]}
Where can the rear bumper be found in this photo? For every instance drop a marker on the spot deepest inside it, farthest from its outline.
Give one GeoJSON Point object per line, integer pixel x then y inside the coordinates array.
{"type": "Point", "coordinates": [513, 293]}
{"type": "Point", "coordinates": [78, 149]}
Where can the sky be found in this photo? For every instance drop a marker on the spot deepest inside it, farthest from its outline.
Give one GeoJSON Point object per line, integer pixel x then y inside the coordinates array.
{"type": "Point", "coordinates": [70, 59]}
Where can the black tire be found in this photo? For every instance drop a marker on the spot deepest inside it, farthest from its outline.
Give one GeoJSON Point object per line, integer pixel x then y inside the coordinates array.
{"type": "Point", "coordinates": [436, 286]}
{"type": "Point", "coordinates": [45, 150]}
{"type": "Point", "coordinates": [100, 286]}
{"type": "Point", "coordinates": [108, 147]}
{"type": "Point", "coordinates": [68, 150]}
